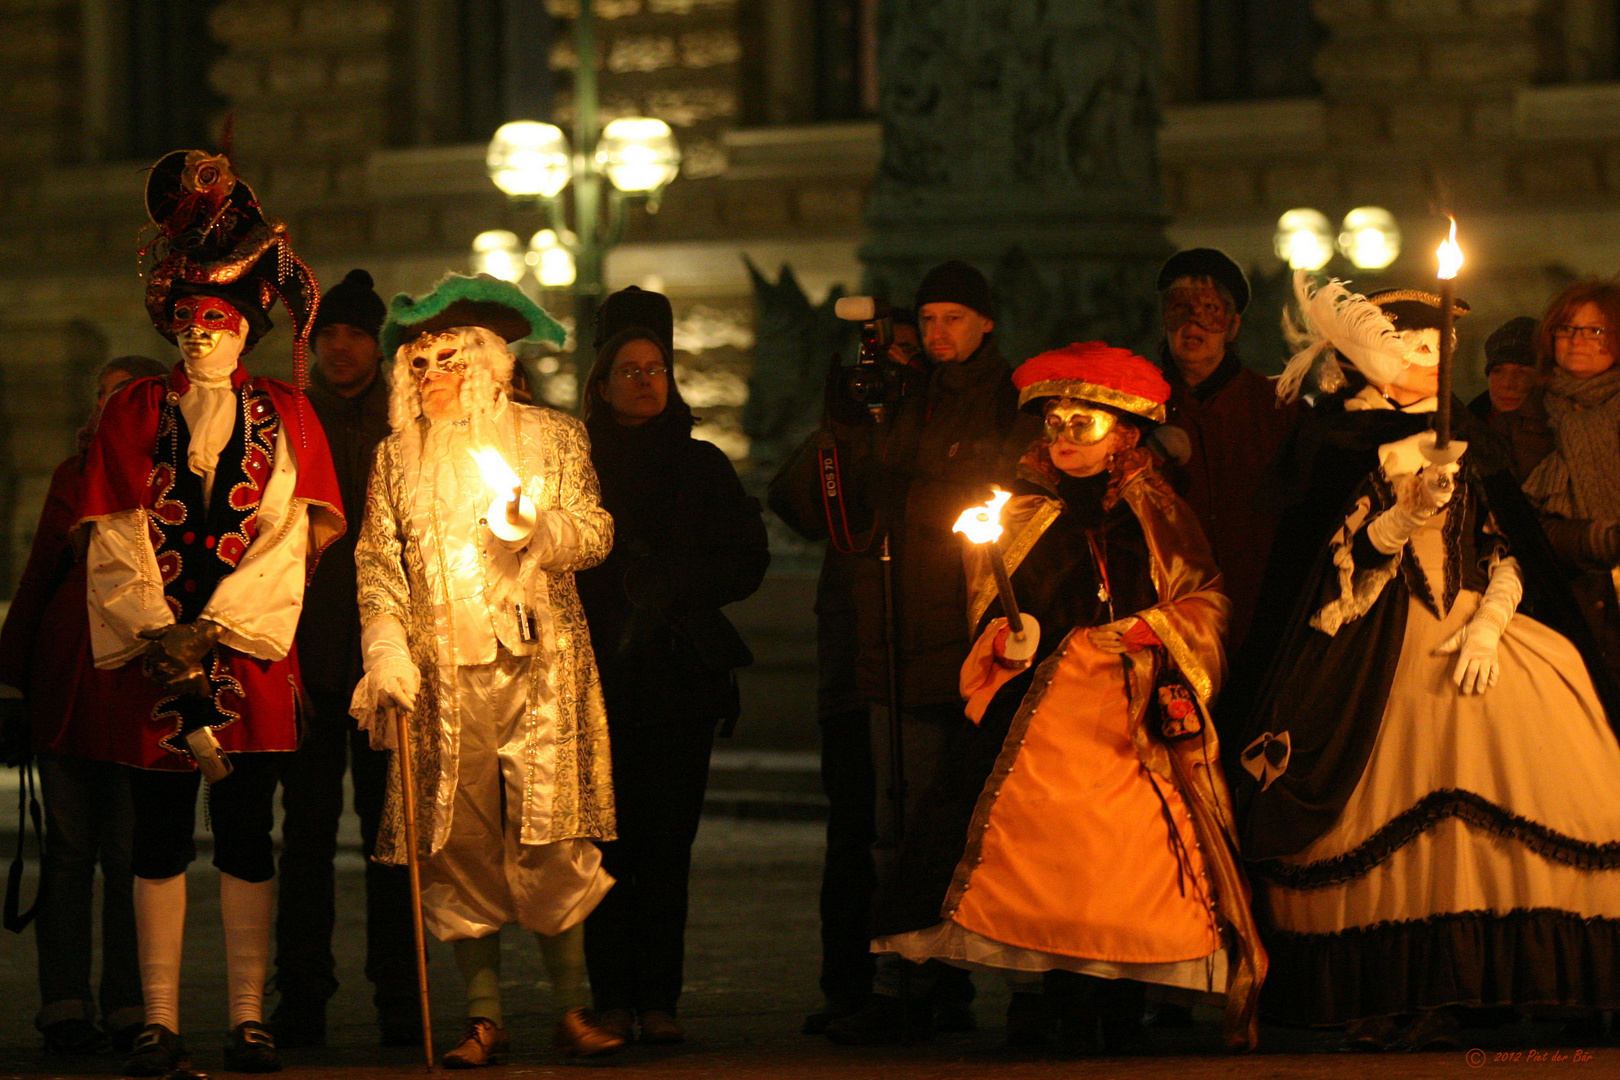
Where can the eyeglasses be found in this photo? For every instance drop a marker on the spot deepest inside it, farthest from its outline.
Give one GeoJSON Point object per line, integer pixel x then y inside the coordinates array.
{"type": "Point", "coordinates": [1575, 333]}
{"type": "Point", "coordinates": [631, 374]}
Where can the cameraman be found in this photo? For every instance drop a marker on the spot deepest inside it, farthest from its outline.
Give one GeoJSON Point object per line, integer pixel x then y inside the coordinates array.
{"type": "Point", "coordinates": [939, 448]}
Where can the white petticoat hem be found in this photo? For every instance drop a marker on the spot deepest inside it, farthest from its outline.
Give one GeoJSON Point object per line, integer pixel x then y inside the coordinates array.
{"type": "Point", "coordinates": [956, 945]}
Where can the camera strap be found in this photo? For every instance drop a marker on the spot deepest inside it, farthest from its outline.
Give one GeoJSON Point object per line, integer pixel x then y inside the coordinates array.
{"type": "Point", "coordinates": [16, 920]}
{"type": "Point", "coordinates": [832, 497]}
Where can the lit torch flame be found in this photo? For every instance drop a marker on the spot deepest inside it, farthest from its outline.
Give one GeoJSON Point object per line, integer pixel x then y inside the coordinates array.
{"type": "Point", "coordinates": [498, 475]}
{"type": "Point", "coordinates": [982, 524]}
{"type": "Point", "coordinates": [1450, 255]}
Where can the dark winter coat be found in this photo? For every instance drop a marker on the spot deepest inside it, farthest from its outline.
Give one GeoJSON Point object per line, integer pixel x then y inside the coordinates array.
{"type": "Point", "coordinates": [1235, 426]}
{"type": "Point", "coordinates": [687, 540]}
{"type": "Point", "coordinates": [910, 478]}
{"type": "Point", "coordinates": [329, 627]}
{"type": "Point", "coordinates": [1524, 430]}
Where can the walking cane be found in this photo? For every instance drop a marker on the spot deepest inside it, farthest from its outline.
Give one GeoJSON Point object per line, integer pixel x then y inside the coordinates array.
{"type": "Point", "coordinates": [407, 787]}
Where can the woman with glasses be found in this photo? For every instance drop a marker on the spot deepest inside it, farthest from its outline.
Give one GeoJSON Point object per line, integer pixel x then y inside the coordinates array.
{"type": "Point", "coordinates": [1577, 486]}
{"type": "Point", "coordinates": [687, 541]}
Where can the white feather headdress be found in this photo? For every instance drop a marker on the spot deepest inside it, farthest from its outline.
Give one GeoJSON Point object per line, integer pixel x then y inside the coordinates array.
{"type": "Point", "coordinates": [1334, 320]}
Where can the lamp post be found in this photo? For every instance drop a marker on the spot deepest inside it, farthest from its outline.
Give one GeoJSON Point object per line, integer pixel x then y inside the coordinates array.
{"type": "Point", "coordinates": [632, 157]}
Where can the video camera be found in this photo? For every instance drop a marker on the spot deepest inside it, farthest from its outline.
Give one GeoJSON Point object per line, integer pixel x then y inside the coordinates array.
{"type": "Point", "coordinates": [876, 381]}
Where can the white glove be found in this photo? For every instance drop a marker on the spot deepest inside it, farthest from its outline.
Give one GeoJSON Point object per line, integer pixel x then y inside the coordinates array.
{"type": "Point", "coordinates": [391, 682]}
{"type": "Point", "coordinates": [1476, 644]}
{"type": "Point", "coordinates": [555, 541]}
{"type": "Point", "coordinates": [1421, 497]}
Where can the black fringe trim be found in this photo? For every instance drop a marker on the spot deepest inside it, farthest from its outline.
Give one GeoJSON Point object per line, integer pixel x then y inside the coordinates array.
{"type": "Point", "coordinates": [1531, 956]}
{"type": "Point", "coordinates": [1424, 815]}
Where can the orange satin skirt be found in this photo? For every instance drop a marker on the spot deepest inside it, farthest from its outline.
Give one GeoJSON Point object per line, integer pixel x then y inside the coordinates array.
{"type": "Point", "coordinates": [1087, 853]}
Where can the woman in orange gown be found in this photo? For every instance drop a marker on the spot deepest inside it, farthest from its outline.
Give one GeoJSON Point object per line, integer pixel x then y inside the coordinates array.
{"type": "Point", "coordinates": [1083, 832]}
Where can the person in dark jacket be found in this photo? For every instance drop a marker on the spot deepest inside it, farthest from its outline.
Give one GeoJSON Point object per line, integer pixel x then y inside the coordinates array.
{"type": "Point", "coordinates": [1511, 405]}
{"type": "Point", "coordinates": [350, 396]}
{"type": "Point", "coordinates": [66, 725]}
{"type": "Point", "coordinates": [687, 542]}
{"type": "Point", "coordinates": [848, 875]}
{"type": "Point", "coordinates": [1231, 415]}
{"type": "Point", "coordinates": [954, 435]}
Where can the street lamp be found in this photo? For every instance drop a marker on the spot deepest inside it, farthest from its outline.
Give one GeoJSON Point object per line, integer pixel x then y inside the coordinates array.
{"type": "Point", "coordinates": [527, 158]}
{"type": "Point", "coordinates": [637, 157]}
{"type": "Point", "coordinates": [1304, 239]}
{"type": "Point", "coordinates": [499, 254]}
{"type": "Point", "coordinates": [1370, 238]}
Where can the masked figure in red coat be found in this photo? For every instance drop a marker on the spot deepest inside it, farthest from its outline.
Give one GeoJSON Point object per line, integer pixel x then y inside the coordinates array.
{"type": "Point", "coordinates": [208, 497]}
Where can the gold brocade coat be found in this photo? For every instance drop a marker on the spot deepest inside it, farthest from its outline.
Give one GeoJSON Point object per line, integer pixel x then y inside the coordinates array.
{"type": "Point", "coordinates": [1189, 621]}
{"type": "Point", "coordinates": [551, 454]}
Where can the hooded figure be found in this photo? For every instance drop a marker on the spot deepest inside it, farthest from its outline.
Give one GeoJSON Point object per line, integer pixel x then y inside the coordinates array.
{"type": "Point", "coordinates": [1078, 830]}
{"type": "Point", "coordinates": [1429, 770]}
{"type": "Point", "coordinates": [479, 513]}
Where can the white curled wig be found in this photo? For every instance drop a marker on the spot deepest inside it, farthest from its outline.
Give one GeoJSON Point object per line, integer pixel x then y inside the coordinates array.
{"type": "Point", "coordinates": [484, 387]}
{"type": "Point", "coordinates": [1335, 326]}
{"type": "Point", "coordinates": [487, 381]}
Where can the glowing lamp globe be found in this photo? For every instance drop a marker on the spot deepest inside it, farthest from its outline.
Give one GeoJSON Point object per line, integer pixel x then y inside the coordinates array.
{"type": "Point", "coordinates": [529, 158]}
{"type": "Point", "coordinates": [1304, 239]}
{"type": "Point", "coordinates": [552, 262]}
{"type": "Point", "coordinates": [638, 154]}
{"type": "Point", "coordinates": [1369, 237]}
{"type": "Point", "coordinates": [499, 254]}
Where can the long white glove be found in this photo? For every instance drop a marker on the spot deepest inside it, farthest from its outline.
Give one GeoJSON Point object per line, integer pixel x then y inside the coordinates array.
{"type": "Point", "coordinates": [391, 682]}
{"type": "Point", "coordinates": [1476, 644]}
{"type": "Point", "coordinates": [1421, 497]}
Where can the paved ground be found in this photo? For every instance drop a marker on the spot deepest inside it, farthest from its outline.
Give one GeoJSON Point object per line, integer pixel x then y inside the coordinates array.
{"type": "Point", "coordinates": [751, 977]}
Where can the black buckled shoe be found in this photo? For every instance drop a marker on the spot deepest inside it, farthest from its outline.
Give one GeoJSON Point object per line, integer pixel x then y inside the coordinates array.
{"type": "Point", "coordinates": [157, 1052]}
{"type": "Point", "coordinates": [251, 1049]}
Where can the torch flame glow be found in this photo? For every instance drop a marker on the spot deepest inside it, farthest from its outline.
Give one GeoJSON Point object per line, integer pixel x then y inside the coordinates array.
{"type": "Point", "coordinates": [498, 475]}
{"type": "Point", "coordinates": [982, 524]}
{"type": "Point", "coordinates": [1449, 254]}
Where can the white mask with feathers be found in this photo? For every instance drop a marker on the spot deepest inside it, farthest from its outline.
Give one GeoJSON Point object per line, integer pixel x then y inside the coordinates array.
{"type": "Point", "coordinates": [1332, 319]}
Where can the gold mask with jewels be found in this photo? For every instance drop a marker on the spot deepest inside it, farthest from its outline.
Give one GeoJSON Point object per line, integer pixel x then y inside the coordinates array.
{"type": "Point", "coordinates": [435, 352]}
{"type": "Point", "coordinates": [1079, 422]}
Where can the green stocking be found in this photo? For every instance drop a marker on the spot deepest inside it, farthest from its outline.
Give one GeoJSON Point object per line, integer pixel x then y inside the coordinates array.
{"type": "Point", "coordinates": [564, 955]}
{"type": "Point", "coordinates": [479, 960]}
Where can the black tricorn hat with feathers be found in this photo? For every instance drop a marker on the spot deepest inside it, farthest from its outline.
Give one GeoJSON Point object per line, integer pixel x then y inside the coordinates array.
{"type": "Point", "coordinates": [213, 239]}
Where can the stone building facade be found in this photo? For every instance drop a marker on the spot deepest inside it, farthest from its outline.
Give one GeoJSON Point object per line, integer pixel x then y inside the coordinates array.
{"type": "Point", "coordinates": [354, 121]}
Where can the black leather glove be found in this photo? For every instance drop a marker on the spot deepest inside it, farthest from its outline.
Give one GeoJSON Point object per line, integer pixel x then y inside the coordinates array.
{"type": "Point", "coordinates": [175, 657]}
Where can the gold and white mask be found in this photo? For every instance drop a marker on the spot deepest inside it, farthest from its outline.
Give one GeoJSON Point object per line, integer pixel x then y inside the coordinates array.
{"type": "Point", "coordinates": [1422, 347]}
{"type": "Point", "coordinates": [1078, 421]}
{"type": "Point", "coordinates": [436, 352]}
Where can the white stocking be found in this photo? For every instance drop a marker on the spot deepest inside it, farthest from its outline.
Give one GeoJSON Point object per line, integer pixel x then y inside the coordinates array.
{"type": "Point", "coordinates": [244, 908]}
{"type": "Point", "coordinates": [160, 932]}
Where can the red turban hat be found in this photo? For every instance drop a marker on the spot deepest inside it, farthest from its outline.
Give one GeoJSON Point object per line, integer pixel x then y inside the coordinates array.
{"type": "Point", "coordinates": [1097, 372]}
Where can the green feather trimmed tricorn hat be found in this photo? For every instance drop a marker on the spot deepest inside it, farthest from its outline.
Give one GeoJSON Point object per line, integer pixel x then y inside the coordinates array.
{"type": "Point", "coordinates": [457, 301]}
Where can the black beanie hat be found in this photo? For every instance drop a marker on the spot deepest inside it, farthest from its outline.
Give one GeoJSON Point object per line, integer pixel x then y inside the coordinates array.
{"type": "Point", "coordinates": [1514, 342]}
{"type": "Point", "coordinates": [648, 314]}
{"type": "Point", "coordinates": [1209, 263]}
{"type": "Point", "coordinates": [955, 282]}
{"type": "Point", "coordinates": [352, 302]}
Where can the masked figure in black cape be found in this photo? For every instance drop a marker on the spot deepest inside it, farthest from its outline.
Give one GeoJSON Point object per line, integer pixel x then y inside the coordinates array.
{"type": "Point", "coordinates": [1428, 784]}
